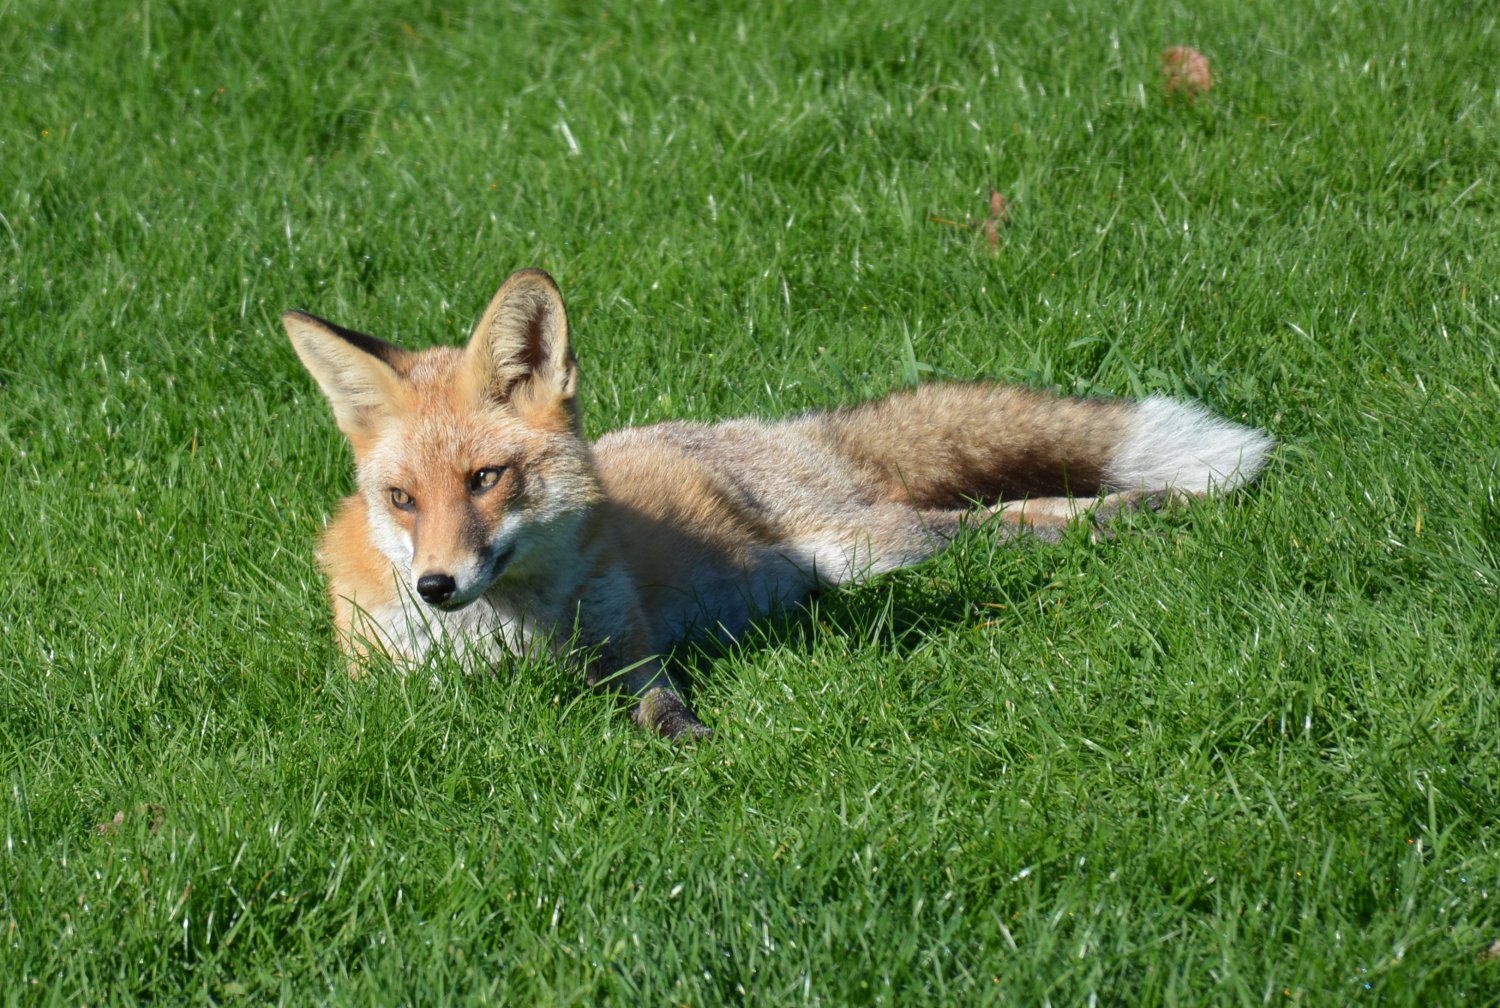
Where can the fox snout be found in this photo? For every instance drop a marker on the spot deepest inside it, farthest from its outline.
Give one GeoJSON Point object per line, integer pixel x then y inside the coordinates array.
{"type": "Point", "coordinates": [452, 583]}
{"type": "Point", "coordinates": [453, 587]}
{"type": "Point", "coordinates": [445, 591]}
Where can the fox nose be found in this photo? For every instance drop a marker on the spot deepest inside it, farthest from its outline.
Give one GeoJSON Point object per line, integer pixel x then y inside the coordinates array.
{"type": "Point", "coordinates": [435, 588]}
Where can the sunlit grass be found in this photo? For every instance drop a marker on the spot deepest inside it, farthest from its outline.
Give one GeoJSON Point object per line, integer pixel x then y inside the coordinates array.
{"type": "Point", "coordinates": [1243, 754]}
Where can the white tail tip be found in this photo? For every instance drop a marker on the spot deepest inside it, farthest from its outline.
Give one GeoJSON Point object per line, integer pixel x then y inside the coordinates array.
{"type": "Point", "coordinates": [1182, 446]}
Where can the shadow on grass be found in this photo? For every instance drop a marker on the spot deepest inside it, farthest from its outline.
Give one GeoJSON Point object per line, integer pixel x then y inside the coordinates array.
{"type": "Point", "coordinates": [896, 613]}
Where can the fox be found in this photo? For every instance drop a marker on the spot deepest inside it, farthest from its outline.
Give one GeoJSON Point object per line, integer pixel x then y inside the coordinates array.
{"type": "Point", "coordinates": [485, 522]}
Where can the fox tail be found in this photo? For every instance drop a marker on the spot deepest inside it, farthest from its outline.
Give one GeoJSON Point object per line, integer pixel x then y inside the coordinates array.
{"type": "Point", "coordinates": [941, 446]}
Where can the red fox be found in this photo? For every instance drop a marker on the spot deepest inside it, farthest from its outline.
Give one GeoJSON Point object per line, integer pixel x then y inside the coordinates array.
{"type": "Point", "coordinates": [485, 522]}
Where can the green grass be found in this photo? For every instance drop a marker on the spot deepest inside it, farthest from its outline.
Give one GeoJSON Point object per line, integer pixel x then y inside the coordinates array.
{"type": "Point", "coordinates": [1245, 755]}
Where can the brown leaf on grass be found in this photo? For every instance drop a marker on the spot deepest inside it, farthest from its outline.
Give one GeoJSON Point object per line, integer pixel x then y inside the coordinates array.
{"type": "Point", "coordinates": [1185, 71]}
{"type": "Point", "coordinates": [1491, 953]}
{"type": "Point", "coordinates": [999, 214]}
{"type": "Point", "coordinates": [156, 813]}
{"type": "Point", "coordinates": [990, 226]}
{"type": "Point", "coordinates": [999, 207]}
{"type": "Point", "coordinates": [992, 235]}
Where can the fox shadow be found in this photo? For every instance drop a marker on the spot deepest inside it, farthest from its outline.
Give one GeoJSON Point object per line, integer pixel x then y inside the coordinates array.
{"type": "Point", "coordinates": [898, 612]}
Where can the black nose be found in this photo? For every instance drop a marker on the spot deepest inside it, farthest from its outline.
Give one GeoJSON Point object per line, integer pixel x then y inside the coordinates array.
{"type": "Point", "coordinates": [435, 588]}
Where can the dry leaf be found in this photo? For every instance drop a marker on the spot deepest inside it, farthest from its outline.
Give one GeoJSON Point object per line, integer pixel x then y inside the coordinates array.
{"type": "Point", "coordinates": [1185, 71]}
{"type": "Point", "coordinates": [990, 226]}
{"type": "Point", "coordinates": [157, 814]}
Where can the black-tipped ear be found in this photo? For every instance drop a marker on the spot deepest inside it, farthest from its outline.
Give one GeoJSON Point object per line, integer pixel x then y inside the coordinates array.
{"type": "Point", "coordinates": [521, 342]}
{"type": "Point", "coordinates": [359, 374]}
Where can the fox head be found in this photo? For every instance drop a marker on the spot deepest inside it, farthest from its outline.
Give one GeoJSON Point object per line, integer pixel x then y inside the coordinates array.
{"type": "Point", "coordinates": [470, 462]}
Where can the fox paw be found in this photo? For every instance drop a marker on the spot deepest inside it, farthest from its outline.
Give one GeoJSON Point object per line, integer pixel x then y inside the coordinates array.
{"type": "Point", "coordinates": [1133, 501]}
{"type": "Point", "coordinates": [663, 711]}
{"type": "Point", "coordinates": [1128, 502]}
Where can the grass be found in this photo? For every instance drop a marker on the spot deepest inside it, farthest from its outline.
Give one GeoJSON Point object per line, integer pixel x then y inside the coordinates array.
{"type": "Point", "coordinates": [1246, 755]}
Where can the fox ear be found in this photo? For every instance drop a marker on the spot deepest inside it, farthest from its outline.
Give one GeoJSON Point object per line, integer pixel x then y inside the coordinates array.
{"type": "Point", "coordinates": [519, 350]}
{"type": "Point", "coordinates": [358, 374]}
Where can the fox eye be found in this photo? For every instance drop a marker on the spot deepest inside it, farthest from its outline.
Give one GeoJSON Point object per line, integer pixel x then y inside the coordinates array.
{"type": "Point", "coordinates": [485, 478]}
{"type": "Point", "coordinates": [401, 499]}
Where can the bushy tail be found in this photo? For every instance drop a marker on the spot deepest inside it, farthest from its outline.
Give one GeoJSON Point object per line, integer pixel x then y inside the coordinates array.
{"type": "Point", "coordinates": [941, 445]}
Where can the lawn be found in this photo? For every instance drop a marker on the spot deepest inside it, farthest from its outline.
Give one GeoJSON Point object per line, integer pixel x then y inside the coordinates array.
{"type": "Point", "coordinates": [1248, 753]}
